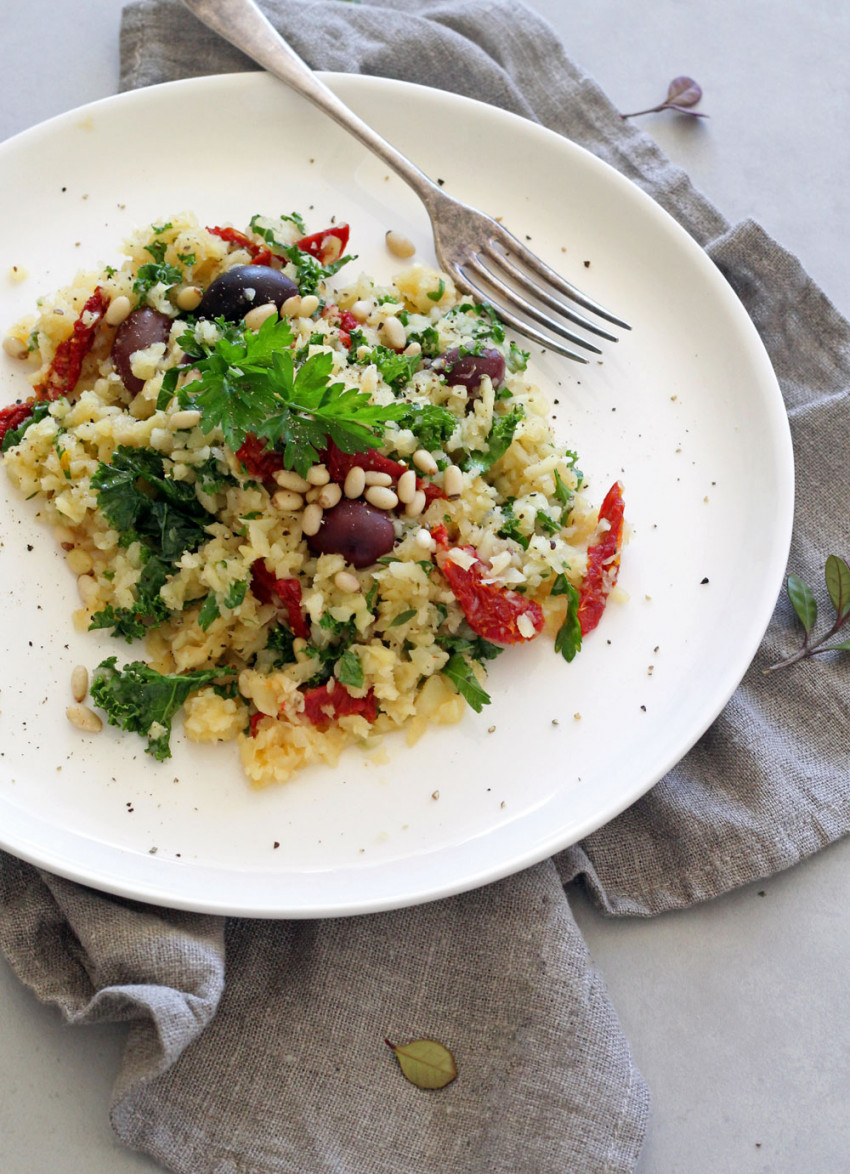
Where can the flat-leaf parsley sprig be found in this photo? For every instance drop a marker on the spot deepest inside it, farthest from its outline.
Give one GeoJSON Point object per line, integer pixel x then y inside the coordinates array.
{"type": "Point", "coordinates": [837, 578]}
{"type": "Point", "coordinates": [250, 385]}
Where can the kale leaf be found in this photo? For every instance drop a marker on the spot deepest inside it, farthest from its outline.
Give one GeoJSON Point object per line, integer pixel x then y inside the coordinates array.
{"type": "Point", "coordinates": [139, 699]}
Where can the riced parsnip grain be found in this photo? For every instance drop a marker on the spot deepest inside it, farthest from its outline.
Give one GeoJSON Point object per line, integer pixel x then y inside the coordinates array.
{"type": "Point", "coordinates": [316, 514]}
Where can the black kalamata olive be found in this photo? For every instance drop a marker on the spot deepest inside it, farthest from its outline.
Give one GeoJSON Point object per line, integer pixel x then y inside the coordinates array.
{"type": "Point", "coordinates": [137, 332]}
{"type": "Point", "coordinates": [242, 288]}
{"type": "Point", "coordinates": [357, 531]}
{"type": "Point", "coordinates": [469, 370]}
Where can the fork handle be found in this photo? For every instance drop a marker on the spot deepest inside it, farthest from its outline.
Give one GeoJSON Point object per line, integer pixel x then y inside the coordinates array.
{"type": "Point", "coordinates": [243, 24]}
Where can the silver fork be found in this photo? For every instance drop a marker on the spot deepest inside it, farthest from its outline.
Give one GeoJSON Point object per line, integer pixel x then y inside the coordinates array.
{"type": "Point", "coordinates": [482, 257]}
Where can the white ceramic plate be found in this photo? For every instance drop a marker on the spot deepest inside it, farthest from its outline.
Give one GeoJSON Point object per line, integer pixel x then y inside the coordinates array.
{"type": "Point", "coordinates": [685, 410]}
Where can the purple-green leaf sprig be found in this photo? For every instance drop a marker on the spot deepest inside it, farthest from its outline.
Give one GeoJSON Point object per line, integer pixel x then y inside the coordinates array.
{"type": "Point", "coordinates": [683, 94]}
{"type": "Point", "coordinates": [837, 578]}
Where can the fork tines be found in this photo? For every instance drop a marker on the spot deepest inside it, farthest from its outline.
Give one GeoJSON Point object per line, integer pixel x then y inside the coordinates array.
{"type": "Point", "coordinates": [503, 271]}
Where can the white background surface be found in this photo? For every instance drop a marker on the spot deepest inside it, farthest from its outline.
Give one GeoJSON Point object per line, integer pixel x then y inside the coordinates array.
{"type": "Point", "coordinates": [736, 1010]}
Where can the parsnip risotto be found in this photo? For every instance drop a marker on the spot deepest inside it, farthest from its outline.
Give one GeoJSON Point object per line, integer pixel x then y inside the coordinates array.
{"type": "Point", "coordinates": [321, 511]}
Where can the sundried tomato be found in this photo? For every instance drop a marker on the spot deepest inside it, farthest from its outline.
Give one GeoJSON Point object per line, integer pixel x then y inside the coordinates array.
{"type": "Point", "coordinates": [259, 461]}
{"type": "Point", "coordinates": [260, 254]}
{"type": "Point", "coordinates": [491, 611]}
{"type": "Point", "coordinates": [284, 593]}
{"type": "Point", "coordinates": [347, 323]}
{"type": "Point", "coordinates": [603, 561]}
{"type": "Point", "coordinates": [64, 370]}
{"type": "Point", "coordinates": [13, 416]}
{"type": "Point", "coordinates": [318, 243]}
{"type": "Point", "coordinates": [339, 464]}
{"type": "Point", "coordinates": [255, 720]}
{"type": "Point", "coordinates": [324, 704]}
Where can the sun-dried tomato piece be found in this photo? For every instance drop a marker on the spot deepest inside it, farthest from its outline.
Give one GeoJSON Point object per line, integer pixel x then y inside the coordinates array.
{"type": "Point", "coordinates": [64, 370]}
{"type": "Point", "coordinates": [339, 463]}
{"type": "Point", "coordinates": [284, 593]}
{"type": "Point", "coordinates": [13, 416]}
{"type": "Point", "coordinates": [260, 254]}
{"type": "Point", "coordinates": [323, 245]}
{"type": "Point", "coordinates": [324, 704]}
{"type": "Point", "coordinates": [491, 611]}
{"type": "Point", "coordinates": [347, 323]}
{"type": "Point", "coordinates": [603, 562]}
{"type": "Point", "coordinates": [254, 723]}
{"type": "Point", "coordinates": [259, 461]}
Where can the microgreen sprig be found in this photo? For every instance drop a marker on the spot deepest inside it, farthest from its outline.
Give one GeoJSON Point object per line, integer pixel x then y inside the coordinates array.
{"type": "Point", "coordinates": [837, 578]}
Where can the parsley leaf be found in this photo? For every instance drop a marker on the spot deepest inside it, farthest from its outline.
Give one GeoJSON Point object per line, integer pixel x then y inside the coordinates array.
{"type": "Point", "coordinates": [350, 670]}
{"type": "Point", "coordinates": [459, 672]}
{"type": "Point", "coordinates": [139, 699]}
{"type": "Point", "coordinates": [475, 646]}
{"type": "Point", "coordinates": [209, 611]}
{"type": "Point", "coordinates": [250, 385]}
{"type": "Point", "coordinates": [568, 639]}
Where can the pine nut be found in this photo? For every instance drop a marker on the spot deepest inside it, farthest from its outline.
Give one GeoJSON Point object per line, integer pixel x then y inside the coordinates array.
{"type": "Point", "coordinates": [79, 561]}
{"type": "Point", "coordinates": [347, 582]}
{"type": "Point", "coordinates": [395, 334]}
{"type": "Point", "coordinates": [453, 481]}
{"type": "Point", "coordinates": [361, 310]}
{"type": "Point", "coordinates": [424, 541]}
{"type": "Point", "coordinates": [79, 682]}
{"type": "Point", "coordinates": [318, 475]}
{"type": "Point", "coordinates": [414, 508]}
{"type": "Point", "coordinates": [189, 298]}
{"type": "Point", "coordinates": [406, 488]}
{"type": "Point", "coordinates": [288, 479]}
{"type": "Point", "coordinates": [84, 718]}
{"type": "Point", "coordinates": [373, 477]}
{"type": "Point", "coordinates": [309, 306]}
{"type": "Point", "coordinates": [311, 519]}
{"type": "Point", "coordinates": [14, 348]}
{"type": "Point", "coordinates": [399, 245]}
{"type": "Point", "coordinates": [312, 494]}
{"type": "Point", "coordinates": [291, 308]}
{"type": "Point", "coordinates": [381, 497]}
{"type": "Point", "coordinates": [331, 250]}
{"type": "Point", "coordinates": [413, 348]}
{"type": "Point", "coordinates": [329, 496]}
{"type": "Point", "coordinates": [255, 318]}
{"type": "Point", "coordinates": [287, 501]}
{"type": "Point", "coordinates": [117, 310]}
{"type": "Point", "coordinates": [355, 481]}
{"type": "Point", "coordinates": [183, 421]}
{"type": "Point", "coordinates": [424, 461]}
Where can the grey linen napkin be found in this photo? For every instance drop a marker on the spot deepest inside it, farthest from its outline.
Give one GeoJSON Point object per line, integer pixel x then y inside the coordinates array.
{"type": "Point", "coordinates": [282, 1067]}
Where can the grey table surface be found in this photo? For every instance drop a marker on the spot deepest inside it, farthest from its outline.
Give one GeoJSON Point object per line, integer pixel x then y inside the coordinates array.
{"type": "Point", "coordinates": [736, 1010]}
